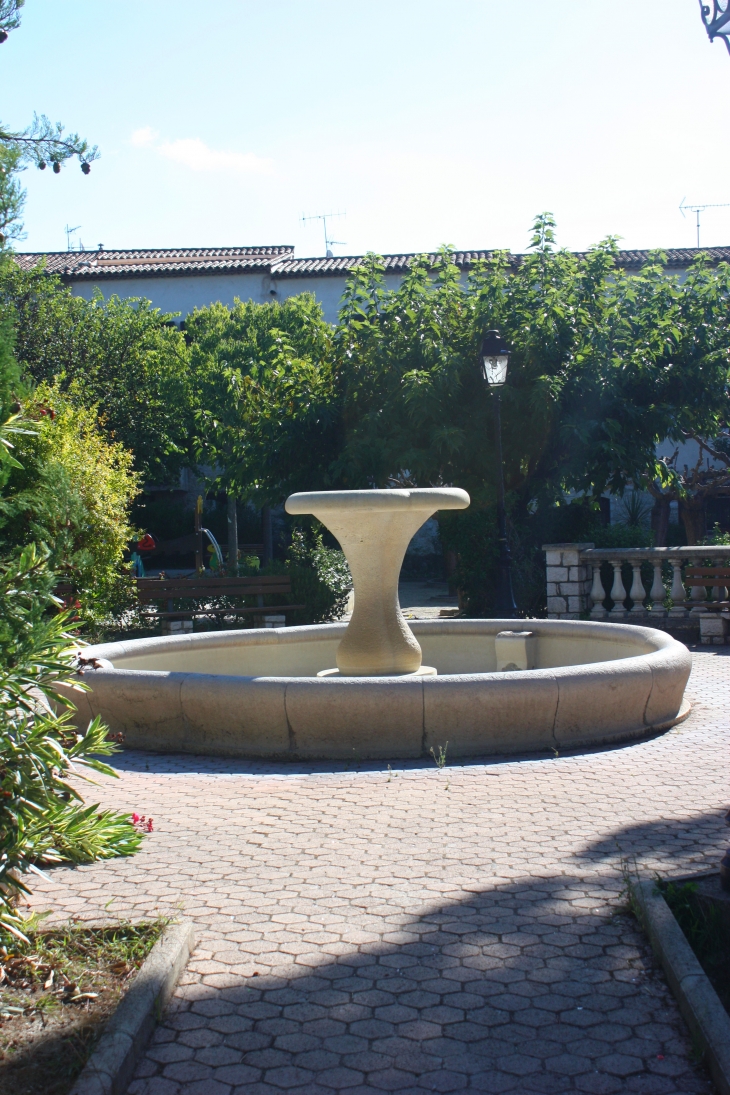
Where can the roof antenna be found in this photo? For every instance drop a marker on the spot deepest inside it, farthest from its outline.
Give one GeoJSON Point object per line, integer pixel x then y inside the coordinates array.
{"type": "Point", "coordinates": [69, 233]}
{"type": "Point", "coordinates": [328, 243]}
{"type": "Point", "coordinates": [700, 209]}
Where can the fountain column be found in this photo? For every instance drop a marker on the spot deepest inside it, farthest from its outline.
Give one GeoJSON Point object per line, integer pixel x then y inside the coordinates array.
{"type": "Point", "coordinates": [374, 528]}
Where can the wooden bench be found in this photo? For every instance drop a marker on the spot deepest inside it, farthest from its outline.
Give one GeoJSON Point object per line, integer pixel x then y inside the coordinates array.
{"type": "Point", "coordinates": [715, 614]}
{"type": "Point", "coordinates": [717, 578]}
{"type": "Point", "coordinates": [169, 590]}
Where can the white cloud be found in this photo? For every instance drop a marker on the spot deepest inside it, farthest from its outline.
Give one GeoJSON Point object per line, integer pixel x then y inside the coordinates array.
{"type": "Point", "coordinates": [144, 137]}
{"type": "Point", "coordinates": [195, 154]}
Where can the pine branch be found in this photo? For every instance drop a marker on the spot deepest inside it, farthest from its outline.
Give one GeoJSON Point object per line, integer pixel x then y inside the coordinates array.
{"type": "Point", "coordinates": [9, 18]}
{"type": "Point", "coordinates": [43, 143]}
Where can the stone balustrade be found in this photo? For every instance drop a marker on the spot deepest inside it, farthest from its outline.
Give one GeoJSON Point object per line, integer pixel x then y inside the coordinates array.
{"type": "Point", "coordinates": [632, 585]}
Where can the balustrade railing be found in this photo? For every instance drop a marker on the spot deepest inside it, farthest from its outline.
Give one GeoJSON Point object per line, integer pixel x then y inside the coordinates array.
{"type": "Point", "coordinates": [630, 584]}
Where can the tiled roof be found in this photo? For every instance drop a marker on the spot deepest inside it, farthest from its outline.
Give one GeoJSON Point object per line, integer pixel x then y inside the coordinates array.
{"type": "Point", "coordinates": [677, 258]}
{"type": "Point", "coordinates": [278, 262]}
{"type": "Point", "coordinates": [93, 265]}
{"type": "Point", "coordinates": [394, 264]}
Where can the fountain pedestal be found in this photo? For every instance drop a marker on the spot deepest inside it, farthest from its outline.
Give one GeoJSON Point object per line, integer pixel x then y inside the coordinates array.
{"type": "Point", "coordinates": [374, 528]}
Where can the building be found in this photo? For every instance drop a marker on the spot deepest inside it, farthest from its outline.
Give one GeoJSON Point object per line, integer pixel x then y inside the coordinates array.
{"type": "Point", "coordinates": [181, 279]}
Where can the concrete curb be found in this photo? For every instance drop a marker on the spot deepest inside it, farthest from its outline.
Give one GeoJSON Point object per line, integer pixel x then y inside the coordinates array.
{"type": "Point", "coordinates": [111, 1066]}
{"type": "Point", "coordinates": [698, 1002]}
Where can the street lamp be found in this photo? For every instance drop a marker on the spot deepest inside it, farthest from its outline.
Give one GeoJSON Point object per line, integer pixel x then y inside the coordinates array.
{"type": "Point", "coordinates": [495, 359]}
{"type": "Point", "coordinates": [717, 20]}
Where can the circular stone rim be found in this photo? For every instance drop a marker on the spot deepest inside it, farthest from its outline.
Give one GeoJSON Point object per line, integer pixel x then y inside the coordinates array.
{"type": "Point", "coordinates": [418, 498]}
{"type": "Point", "coordinates": [307, 718]}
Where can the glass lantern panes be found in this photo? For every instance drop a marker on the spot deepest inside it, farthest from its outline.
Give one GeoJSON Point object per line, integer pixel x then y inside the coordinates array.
{"type": "Point", "coordinates": [495, 370]}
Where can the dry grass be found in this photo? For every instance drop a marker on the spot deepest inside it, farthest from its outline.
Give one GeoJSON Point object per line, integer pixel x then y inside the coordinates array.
{"type": "Point", "coordinates": [56, 994]}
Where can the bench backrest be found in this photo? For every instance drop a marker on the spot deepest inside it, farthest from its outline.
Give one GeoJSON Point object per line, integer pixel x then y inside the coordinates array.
{"type": "Point", "coordinates": [162, 589]}
{"type": "Point", "coordinates": [707, 576]}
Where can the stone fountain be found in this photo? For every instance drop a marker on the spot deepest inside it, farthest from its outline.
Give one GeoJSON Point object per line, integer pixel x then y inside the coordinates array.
{"type": "Point", "coordinates": [374, 528]}
{"type": "Point", "coordinates": [360, 690]}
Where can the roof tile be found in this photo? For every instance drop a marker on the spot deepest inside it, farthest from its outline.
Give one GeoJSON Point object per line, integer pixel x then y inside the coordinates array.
{"type": "Point", "coordinates": [94, 265]}
{"type": "Point", "coordinates": [278, 262]}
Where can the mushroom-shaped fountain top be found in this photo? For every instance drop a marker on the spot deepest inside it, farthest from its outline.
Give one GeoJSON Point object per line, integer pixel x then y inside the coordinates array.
{"type": "Point", "coordinates": [374, 528]}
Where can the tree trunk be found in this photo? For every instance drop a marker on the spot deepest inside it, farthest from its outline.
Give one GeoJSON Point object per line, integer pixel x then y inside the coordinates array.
{"type": "Point", "coordinates": [232, 536]}
{"type": "Point", "coordinates": [660, 520]}
{"type": "Point", "coordinates": [450, 563]}
{"type": "Point", "coordinates": [692, 516]}
{"type": "Point", "coordinates": [199, 558]}
{"type": "Point", "coordinates": [268, 540]}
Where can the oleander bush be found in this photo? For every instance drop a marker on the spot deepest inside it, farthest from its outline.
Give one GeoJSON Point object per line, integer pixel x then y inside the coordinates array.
{"type": "Point", "coordinates": [43, 819]}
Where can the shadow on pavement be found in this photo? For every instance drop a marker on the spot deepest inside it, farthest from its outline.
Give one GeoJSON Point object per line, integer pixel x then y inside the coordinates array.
{"type": "Point", "coordinates": [134, 760]}
{"type": "Point", "coordinates": [668, 840]}
{"type": "Point", "coordinates": [526, 988]}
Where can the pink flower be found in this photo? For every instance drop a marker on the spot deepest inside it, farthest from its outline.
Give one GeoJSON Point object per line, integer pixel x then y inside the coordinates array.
{"type": "Point", "coordinates": [135, 818]}
{"type": "Point", "coordinates": [148, 827]}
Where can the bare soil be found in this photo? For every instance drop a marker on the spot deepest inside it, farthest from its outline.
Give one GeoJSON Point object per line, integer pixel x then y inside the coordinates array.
{"type": "Point", "coordinates": [56, 995]}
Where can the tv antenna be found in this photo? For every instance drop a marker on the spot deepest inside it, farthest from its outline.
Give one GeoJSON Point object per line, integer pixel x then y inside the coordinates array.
{"type": "Point", "coordinates": [328, 243]}
{"type": "Point", "coordinates": [697, 209]}
{"type": "Point", "coordinates": [69, 233]}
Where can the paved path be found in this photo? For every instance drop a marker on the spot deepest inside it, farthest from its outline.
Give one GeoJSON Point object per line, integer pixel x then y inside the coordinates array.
{"type": "Point", "coordinates": [420, 930]}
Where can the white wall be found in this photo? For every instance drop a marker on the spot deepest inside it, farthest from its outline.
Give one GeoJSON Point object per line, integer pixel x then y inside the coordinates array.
{"type": "Point", "coordinates": [181, 294]}
{"type": "Point", "coordinates": [689, 452]}
{"type": "Point", "coordinates": [328, 291]}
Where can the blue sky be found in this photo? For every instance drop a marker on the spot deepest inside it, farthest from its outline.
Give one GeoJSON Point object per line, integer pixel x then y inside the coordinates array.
{"type": "Point", "coordinates": [426, 122]}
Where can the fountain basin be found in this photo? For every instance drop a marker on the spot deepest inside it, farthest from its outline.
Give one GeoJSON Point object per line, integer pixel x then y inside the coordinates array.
{"type": "Point", "coordinates": [256, 693]}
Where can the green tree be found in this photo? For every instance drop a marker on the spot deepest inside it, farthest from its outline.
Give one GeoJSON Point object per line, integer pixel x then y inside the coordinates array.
{"type": "Point", "coordinates": [12, 197]}
{"type": "Point", "coordinates": [123, 357]}
{"type": "Point", "coordinates": [266, 409]}
{"type": "Point", "coordinates": [604, 366]}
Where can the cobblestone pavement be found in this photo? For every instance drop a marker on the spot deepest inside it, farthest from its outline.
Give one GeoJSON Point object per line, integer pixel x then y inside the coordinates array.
{"type": "Point", "coordinates": [419, 930]}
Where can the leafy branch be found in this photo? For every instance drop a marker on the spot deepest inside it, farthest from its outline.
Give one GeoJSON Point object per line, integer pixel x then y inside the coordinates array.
{"type": "Point", "coordinates": [44, 142]}
{"type": "Point", "coordinates": [9, 18]}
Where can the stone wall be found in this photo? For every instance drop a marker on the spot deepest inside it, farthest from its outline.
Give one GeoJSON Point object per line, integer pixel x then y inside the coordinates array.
{"type": "Point", "coordinates": [568, 581]}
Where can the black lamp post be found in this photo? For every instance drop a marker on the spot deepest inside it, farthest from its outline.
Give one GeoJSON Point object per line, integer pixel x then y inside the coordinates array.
{"type": "Point", "coordinates": [717, 20]}
{"type": "Point", "coordinates": [495, 359]}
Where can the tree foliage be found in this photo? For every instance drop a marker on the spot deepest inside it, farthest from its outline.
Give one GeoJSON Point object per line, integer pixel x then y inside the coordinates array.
{"type": "Point", "coordinates": [604, 365]}
{"type": "Point", "coordinates": [63, 484]}
{"type": "Point", "coordinates": [42, 142]}
{"type": "Point", "coordinates": [12, 196]}
{"type": "Point", "coordinates": [266, 408]}
{"type": "Point", "coordinates": [123, 357]}
{"type": "Point", "coordinates": [9, 16]}
{"type": "Point", "coordinates": [71, 491]}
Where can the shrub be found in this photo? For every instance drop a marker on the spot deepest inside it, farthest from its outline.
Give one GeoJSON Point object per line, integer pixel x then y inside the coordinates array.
{"type": "Point", "coordinates": [320, 578]}
{"type": "Point", "coordinates": [42, 817]}
{"type": "Point", "coordinates": [72, 493]}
